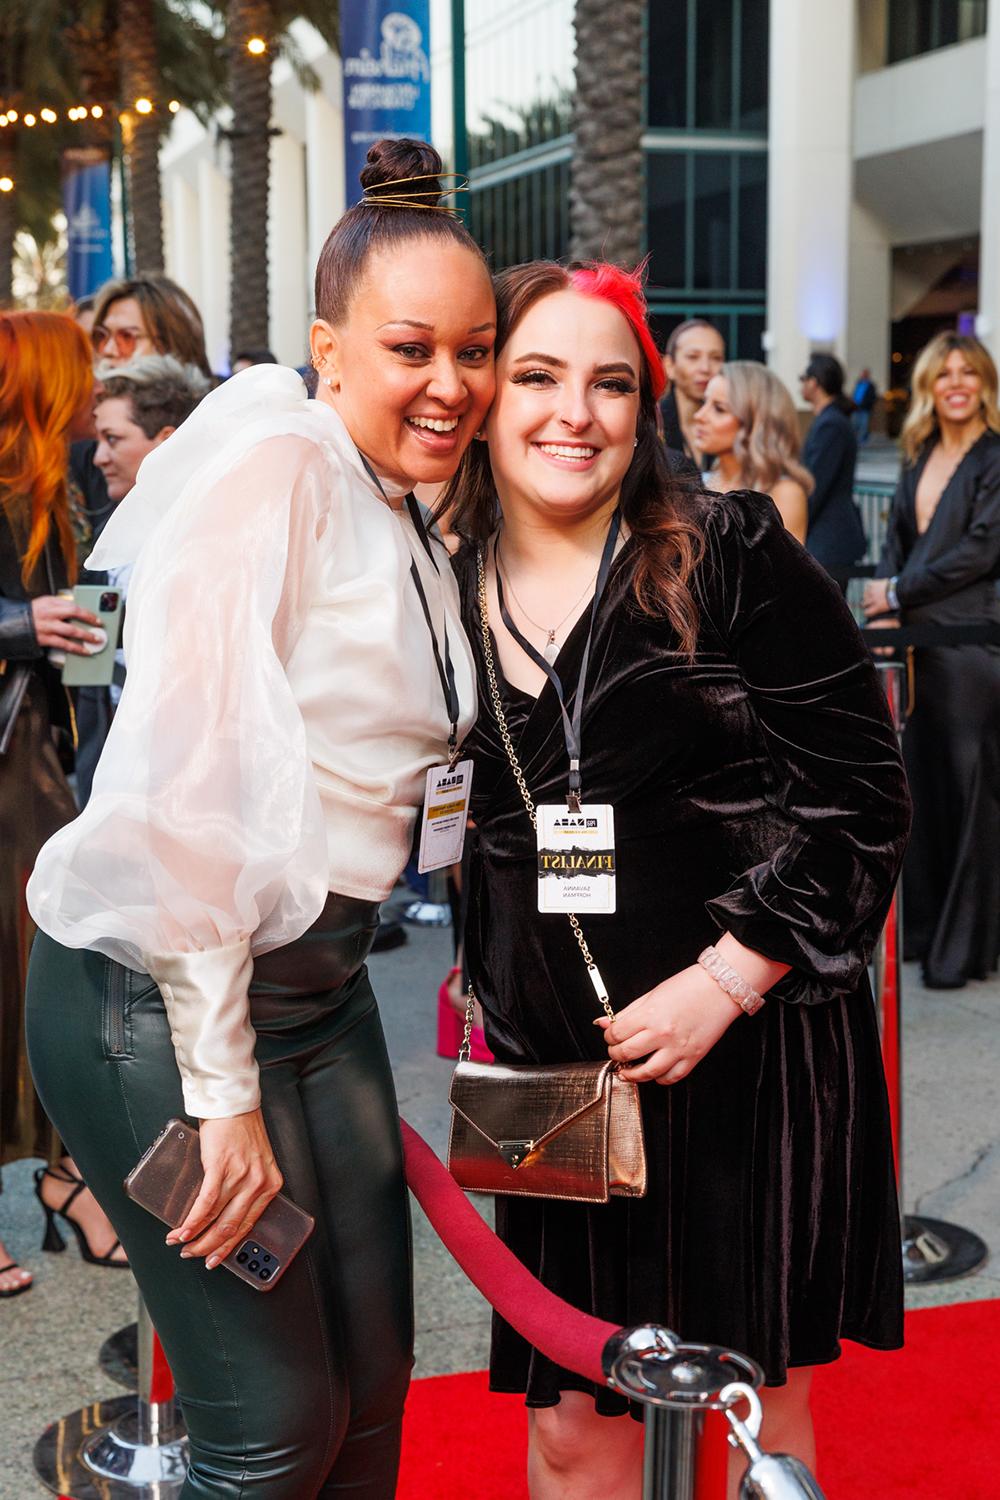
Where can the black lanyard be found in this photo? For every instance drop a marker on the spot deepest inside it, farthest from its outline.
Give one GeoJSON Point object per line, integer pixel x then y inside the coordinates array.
{"type": "Point", "coordinates": [571, 726]}
{"type": "Point", "coordinates": [446, 667]}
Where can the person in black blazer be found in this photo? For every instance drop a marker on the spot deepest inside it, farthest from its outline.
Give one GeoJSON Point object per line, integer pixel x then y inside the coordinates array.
{"type": "Point", "coordinates": [836, 535]}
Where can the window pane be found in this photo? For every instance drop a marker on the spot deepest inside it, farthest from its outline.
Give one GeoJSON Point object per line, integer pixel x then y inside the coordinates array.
{"type": "Point", "coordinates": [753, 65]}
{"type": "Point", "coordinates": [751, 272]}
{"type": "Point", "coordinates": [749, 329]}
{"type": "Point", "coordinates": [712, 219]}
{"type": "Point", "coordinates": [667, 216]}
{"type": "Point", "coordinates": [667, 102]}
{"type": "Point", "coordinates": [520, 69]}
{"type": "Point", "coordinates": [714, 65]}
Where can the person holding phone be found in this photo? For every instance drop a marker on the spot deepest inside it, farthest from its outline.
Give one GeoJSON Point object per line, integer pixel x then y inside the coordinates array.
{"type": "Point", "coordinates": [45, 396]}
{"type": "Point", "coordinates": [296, 666]}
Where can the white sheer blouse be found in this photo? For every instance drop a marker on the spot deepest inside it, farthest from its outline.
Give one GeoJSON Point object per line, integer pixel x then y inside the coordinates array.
{"type": "Point", "coordinates": [281, 709]}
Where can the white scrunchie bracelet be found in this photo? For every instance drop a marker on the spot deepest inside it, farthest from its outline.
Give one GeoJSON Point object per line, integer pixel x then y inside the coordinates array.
{"type": "Point", "coordinates": [730, 981]}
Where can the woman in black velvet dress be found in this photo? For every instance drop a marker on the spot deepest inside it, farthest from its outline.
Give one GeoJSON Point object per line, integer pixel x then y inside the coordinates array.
{"type": "Point", "coordinates": [940, 565]}
{"type": "Point", "coordinates": [734, 721]}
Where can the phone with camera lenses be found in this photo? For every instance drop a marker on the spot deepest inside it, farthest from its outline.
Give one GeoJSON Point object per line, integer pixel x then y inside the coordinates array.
{"type": "Point", "coordinates": [97, 668]}
{"type": "Point", "coordinates": [167, 1180]}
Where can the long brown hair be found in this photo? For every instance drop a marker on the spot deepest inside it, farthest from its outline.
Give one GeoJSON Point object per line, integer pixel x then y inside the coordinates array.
{"type": "Point", "coordinates": [655, 505]}
{"type": "Point", "coordinates": [768, 443]}
{"type": "Point", "coordinates": [921, 419]}
{"type": "Point", "coordinates": [171, 317]}
{"type": "Point", "coordinates": [45, 379]}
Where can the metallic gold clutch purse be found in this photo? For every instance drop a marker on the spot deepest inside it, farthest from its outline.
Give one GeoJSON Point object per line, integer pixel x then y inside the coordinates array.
{"type": "Point", "coordinates": [567, 1130]}
{"type": "Point", "coordinates": [557, 1130]}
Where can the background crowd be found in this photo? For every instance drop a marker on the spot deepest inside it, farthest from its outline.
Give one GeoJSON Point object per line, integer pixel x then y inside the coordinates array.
{"type": "Point", "coordinates": [84, 397]}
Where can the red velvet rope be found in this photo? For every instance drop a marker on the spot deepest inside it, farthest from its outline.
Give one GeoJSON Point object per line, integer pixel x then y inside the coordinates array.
{"type": "Point", "coordinates": [562, 1333]}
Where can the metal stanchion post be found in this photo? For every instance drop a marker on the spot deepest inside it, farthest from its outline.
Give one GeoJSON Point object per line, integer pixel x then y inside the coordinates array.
{"type": "Point", "coordinates": [131, 1446]}
{"type": "Point", "coordinates": [681, 1386]}
{"type": "Point", "coordinates": [933, 1250]}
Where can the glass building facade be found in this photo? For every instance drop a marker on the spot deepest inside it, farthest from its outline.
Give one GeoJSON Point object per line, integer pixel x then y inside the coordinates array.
{"type": "Point", "coordinates": [704, 149]}
{"type": "Point", "coordinates": [918, 26]}
{"type": "Point", "coordinates": [519, 71]}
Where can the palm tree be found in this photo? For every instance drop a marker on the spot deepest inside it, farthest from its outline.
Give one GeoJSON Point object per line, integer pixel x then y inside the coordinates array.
{"type": "Point", "coordinates": [250, 134]}
{"type": "Point", "coordinates": [606, 192]}
{"type": "Point", "coordinates": [138, 61]}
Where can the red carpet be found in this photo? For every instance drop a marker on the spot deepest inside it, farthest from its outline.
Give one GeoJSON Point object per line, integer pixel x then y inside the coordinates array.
{"type": "Point", "coordinates": [920, 1424]}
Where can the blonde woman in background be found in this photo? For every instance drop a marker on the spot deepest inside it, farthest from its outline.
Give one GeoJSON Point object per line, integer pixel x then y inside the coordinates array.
{"type": "Point", "coordinates": [747, 423]}
{"type": "Point", "coordinates": [940, 563]}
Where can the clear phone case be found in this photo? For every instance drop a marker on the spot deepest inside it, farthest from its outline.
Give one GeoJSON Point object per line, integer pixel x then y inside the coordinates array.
{"type": "Point", "coordinates": [167, 1180]}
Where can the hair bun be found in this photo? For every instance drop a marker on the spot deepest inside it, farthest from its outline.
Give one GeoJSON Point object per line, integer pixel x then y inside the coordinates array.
{"type": "Point", "coordinates": [392, 164]}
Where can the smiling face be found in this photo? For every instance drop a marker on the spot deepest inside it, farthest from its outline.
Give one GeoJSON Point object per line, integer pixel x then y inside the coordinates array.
{"type": "Point", "coordinates": [411, 366]}
{"type": "Point", "coordinates": [958, 390]}
{"type": "Point", "coordinates": [716, 426]}
{"type": "Point", "coordinates": [121, 445]}
{"type": "Point", "coordinates": [697, 357]}
{"type": "Point", "coordinates": [562, 429]}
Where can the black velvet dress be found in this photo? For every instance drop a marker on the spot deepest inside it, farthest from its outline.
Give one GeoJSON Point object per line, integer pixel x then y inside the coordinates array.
{"type": "Point", "coordinates": [947, 576]}
{"type": "Point", "coordinates": [758, 789]}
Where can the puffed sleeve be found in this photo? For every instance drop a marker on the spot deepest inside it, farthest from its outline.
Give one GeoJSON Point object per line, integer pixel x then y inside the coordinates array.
{"type": "Point", "coordinates": [837, 779]}
{"type": "Point", "coordinates": [203, 839]}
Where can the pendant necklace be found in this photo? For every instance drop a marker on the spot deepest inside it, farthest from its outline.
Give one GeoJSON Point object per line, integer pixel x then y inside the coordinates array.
{"type": "Point", "coordinates": [551, 648]}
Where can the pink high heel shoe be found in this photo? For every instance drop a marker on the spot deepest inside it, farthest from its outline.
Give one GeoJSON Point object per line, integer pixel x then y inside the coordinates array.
{"type": "Point", "coordinates": [451, 1026]}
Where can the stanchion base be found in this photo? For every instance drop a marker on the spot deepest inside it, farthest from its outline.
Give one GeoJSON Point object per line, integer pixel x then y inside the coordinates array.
{"type": "Point", "coordinates": [427, 914]}
{"type": "Point", "coordinates": [119, 1357]}
{"type": "Point", "coordinates": [67, 1451]}
{"type": "Point", "coordinates": [934, 1250]}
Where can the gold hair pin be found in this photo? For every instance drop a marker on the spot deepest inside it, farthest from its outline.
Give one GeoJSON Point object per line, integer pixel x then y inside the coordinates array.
{"type": "Point", "coordinates": [377, 194]}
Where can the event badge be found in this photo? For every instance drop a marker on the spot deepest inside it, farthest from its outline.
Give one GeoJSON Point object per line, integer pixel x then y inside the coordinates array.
{"type": "Point", "coordinates": [446, 813]}
{"type": "Point", "coordinates": [576, 858]}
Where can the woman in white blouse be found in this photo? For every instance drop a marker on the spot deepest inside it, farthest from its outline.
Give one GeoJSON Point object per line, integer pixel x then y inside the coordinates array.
{"type": "Point", "coordinates": [204, 923]}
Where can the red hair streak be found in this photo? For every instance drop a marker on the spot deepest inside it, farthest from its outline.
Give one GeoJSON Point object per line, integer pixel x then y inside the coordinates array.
{"type": "Point", "coordinates": [623, 289]}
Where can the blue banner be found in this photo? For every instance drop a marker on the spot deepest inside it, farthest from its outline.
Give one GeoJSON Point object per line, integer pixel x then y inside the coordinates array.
{"type": "Point", "coordinates": [385, 48]}
{"type": "Point", "coordinates": [86, 189]}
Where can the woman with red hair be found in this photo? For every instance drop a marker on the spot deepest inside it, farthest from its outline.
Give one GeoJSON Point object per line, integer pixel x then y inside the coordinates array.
{"type": "Point", "coordinates": [45, 401]}
{"type": "Point", "coordinates": [727, 734]}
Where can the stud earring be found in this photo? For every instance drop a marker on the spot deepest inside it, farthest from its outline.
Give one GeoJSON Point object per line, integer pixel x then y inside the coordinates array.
{"type": "Point", "coordinates": [327, 380]}
{"type": "Point", "coordinates": [635, 442]}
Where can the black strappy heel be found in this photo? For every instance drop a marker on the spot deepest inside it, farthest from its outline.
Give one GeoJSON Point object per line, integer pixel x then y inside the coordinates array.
{"type": "Point", "coordinates": [53, 1241]}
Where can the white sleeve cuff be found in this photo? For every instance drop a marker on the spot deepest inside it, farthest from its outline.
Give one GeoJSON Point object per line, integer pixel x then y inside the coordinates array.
{"type": "Point", "coordinates": [205, 995]}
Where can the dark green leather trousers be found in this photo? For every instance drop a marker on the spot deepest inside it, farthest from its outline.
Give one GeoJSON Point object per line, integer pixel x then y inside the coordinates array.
{"type": "Point", "coordinates": [298, 1392]}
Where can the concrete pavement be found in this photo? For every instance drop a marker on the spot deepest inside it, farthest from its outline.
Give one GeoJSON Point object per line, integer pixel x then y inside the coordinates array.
{"type": "Point", "coordinates": [49, 1339]}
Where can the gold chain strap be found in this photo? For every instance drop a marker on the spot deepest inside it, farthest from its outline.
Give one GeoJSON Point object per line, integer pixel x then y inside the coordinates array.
{"type": "Point", "coordinates": [515, 765]}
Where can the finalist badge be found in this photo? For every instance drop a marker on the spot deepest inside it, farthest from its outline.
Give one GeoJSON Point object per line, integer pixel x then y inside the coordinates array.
{"type": "Point", "coordinates": [576, 858]}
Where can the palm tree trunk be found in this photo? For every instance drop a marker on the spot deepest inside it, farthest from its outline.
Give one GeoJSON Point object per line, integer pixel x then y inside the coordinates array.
{"type": "Point", "coordinates": [140, 79]}
{"type": "Point", "coordinates": [8, 218]}
{"type": "Point", "coordinates": [250, 139]}
{"type": "Point", "coordinates": [606, 220]}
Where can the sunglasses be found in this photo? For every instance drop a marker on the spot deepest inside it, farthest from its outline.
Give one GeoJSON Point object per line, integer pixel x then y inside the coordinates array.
{"type": "Point", "coordinates": [123, 340]}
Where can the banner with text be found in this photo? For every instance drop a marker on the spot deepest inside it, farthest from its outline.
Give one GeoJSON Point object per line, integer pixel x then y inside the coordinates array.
{"type": "Point", "coordinates": [385, 48]}
{"type": "Point", "coordinates": [86, 191]}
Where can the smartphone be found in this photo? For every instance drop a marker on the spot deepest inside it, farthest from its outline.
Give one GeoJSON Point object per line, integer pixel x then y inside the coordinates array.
{"type": "Point", "coordinates": [167, 1180]}
{"type": "Point", "coordinates": [96, 670]}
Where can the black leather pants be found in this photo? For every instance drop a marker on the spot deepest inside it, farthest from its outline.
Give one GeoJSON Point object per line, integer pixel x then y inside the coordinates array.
{"type": "Point", "coordinates": [298, 1392]}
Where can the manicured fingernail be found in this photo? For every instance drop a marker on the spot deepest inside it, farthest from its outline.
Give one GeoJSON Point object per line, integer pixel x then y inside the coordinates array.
{"type": "Point", "coordinates": [173, 1239]}
{"type": "Point", "coordinates": [212, 1262]}
{"type": "Point", "coordinates": [187, 1255]}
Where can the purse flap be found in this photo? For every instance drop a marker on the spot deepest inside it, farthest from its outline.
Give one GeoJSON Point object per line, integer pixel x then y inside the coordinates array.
{"type": "Point", "coordinates": [522, 1107]}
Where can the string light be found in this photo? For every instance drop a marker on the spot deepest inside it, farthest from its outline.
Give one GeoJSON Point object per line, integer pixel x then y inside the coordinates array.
{"type": "Point", "coordinates": [76, 112]}
{"type": "Point", "coordinates": [49, 116]}
{"type": "Point", "coordinates": [29, 120]}
{"type": "Point", "coordinates": [12, 115]}
{"type": "Point", "coordinates": [96, 112]}
{"type": "Point", "coordinates": [257, 46]}
{"type": "Point", "coordinates": [174, 106]}
{"type": "Point", "coordinates": [6, 184]}
{"type": "Point", "coordinates": [3, 121]}
{"type": "Point", "coordinates": [144, 106]}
